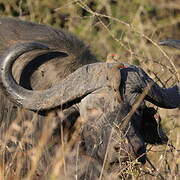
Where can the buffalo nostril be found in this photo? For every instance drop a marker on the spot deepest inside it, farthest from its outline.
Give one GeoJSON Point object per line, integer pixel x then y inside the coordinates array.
{"type": "Point", "coordinates": [117, 148]}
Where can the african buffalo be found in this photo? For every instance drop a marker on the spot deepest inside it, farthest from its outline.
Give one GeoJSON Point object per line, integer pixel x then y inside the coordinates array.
{"type": "Point", "coordinates": [56, 72]}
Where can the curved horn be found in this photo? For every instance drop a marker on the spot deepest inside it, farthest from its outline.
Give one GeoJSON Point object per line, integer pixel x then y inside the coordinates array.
{"type": "Point", "coordinates": [78, 84]}
{"type": "Point", "coordinates": [136, 82]}
{"type": "Point", "coordinates": [170, 43]}
{"type": "Point", "coordinates": [170, 95]}
{"type": "Point", "coordinates": [164, 97]}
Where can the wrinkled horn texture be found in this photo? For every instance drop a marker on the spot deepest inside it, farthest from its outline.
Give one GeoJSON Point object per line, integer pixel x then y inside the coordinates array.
{"type": "Point", "coordinates": [85, 79]}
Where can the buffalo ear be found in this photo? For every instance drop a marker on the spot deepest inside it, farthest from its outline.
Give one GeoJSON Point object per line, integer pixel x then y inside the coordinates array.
{"type": "Point", "coordinates": [151, 130]}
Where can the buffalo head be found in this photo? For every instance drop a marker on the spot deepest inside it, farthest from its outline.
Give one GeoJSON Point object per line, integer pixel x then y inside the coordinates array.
{"type": "Point", "coordinates": [110, 124]}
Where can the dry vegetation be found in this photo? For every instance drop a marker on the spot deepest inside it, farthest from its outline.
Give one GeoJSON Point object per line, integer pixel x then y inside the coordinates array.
{"type": "Point", "coordinates": [130, 28]}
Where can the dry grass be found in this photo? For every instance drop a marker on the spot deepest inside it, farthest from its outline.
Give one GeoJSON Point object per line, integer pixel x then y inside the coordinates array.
{"type": "Point", "coordinates": [129, 28]}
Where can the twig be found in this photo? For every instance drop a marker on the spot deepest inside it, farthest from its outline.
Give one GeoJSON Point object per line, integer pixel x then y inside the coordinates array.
{"type": "Point", "coordinates": [154, 168]}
